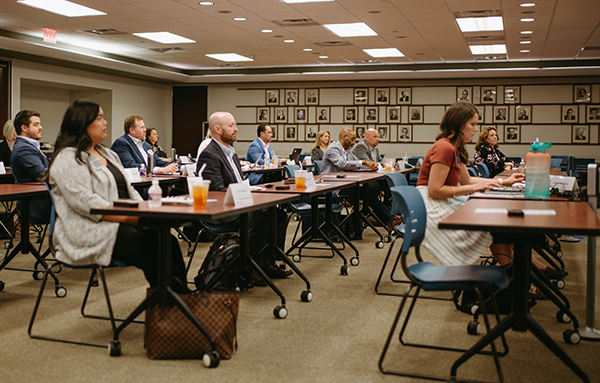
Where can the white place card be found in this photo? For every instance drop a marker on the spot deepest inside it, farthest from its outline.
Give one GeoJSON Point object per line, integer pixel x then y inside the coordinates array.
{"type": "Point", "coordinates": [238, 194]}
{"type": "Point", "coordinates": [132, 175]}
{"type": "Point", "coordinates": [188, 170]}
{"type": "Point", "coordinates": [310, 180]}
{"type": "Point", "coordinates": [2, 168]}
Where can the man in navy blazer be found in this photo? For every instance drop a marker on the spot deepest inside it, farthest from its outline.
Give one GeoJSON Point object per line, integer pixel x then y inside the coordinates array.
{"type": "Point", "coordinates": [223, 168]}
{"type": "Point", "coordinates": [28, 161]}
{"type": "Point", "coordinates": [133, 149]}
{"type": "Point", "coordinates": [261, 147]}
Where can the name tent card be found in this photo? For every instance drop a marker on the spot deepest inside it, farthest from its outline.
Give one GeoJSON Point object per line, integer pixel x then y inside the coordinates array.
{"type": "Point", "coordinates": [310, 180]}
{"type": "Point", "coordinates": [133, 175]}
{"type": "Point", "coordinates": [188, 170]}
{"type": "Point", "coordinates": [2, 168]}
{"type": "Point", "coordinates": [238, 194]}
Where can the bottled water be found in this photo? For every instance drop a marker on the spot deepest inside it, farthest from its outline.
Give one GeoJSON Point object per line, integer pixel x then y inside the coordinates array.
{"type": "Point", "coordinates": [142, 170]}
{"type": "Point", "coordinates": [154, 194]}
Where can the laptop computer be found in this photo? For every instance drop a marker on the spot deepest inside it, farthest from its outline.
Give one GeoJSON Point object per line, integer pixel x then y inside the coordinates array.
{"type": "Point", "coordinates": [296, 154]}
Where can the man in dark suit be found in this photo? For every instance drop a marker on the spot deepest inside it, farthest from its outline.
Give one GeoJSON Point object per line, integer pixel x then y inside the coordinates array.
{"type": "Point", "coordinates": [133, 149]}
{"type": "Point", "coordinates": [28, 161]}
{"type": "Point", "coordinates": [404, 97]}
{"type": "Point", "coordinates": [223, 168]}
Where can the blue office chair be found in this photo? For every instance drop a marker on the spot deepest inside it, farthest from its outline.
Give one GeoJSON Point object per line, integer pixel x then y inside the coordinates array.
{"type": "Point", "coordinates": [483, 170]}
{"type": "Point", "coordinates": [414, 176]}
{"type": "Point", "coordinates": [114, 346]}
{"type": "Point", "coordinates": [472, 171]}
{"type": "Point", "coordinates": [555, 163]}
{"type": "Point", "coordinates": [318, 165]}
{"type": "Point", "coordinates": [515, 160]}
{"type": "Point", "coordinates": [407, 202]}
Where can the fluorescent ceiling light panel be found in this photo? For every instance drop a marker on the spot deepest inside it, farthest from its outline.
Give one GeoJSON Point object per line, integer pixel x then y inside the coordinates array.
{"type": "Point", "coordinates": [351, 29]}
{"type": "Point", "coordinates": [228, 57]}
{"type": "Point", "coordinates": [304, 1]}
{"type": "Point", "coordinates": [485, 49]}
{"type": "Point", "coordinates": [383, 52]}
{"type": "Point", "coordinates": [164, 37]}
{"type": "Point", "coordinates": [62, 7]}
{"type": "Point", "coordinates": [477, 24]}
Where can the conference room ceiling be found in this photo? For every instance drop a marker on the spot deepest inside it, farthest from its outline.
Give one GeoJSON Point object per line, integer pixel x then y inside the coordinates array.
{"type": "Point", "coordinates": [565, 34]}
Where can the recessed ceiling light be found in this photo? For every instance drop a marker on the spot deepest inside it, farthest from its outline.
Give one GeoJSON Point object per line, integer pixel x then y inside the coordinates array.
{"type": "Point", "coordinates": [485, 49]}
{"type": "Point", "coordinates": [62, 7]}
{"type": "Point", "coordinates": [351, 29]}
{"type": "Point", "coordinates": [383, 52]}
{"type": "Point", "coordinates": [164, 37]}
{"type": "Point", "coordinates": [266, 30]}
{"type": "Point", "coordinates": [239, 19]}
{"type": "Point", "coordinates": [476, 24]}
{"type": "Point", "coordinates": [527, 20]}
{"type": "Point", "coordinates": [206, 3]}
{"type": "Point", "coordinates": [323, 57]}
{"type": "Point", "coordinates": [528, 5]}
{"type": "Point", "coordinates": [304, 1]}
{"type": "Point", "coordinates": [525, 42]}
{"type": "Point", "coordinates": [288, 41]}
{"type": "Point", "coordinates": [524, 51]}
{"type": "Point", "coordinates": [307, 49]}
{"type": "Point", "coordinates": [526, 32]}
{"type": "Point", "coordinates": [229, 57]}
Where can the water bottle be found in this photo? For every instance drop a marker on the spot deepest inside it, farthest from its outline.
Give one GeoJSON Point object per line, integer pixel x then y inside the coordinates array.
{"type": "Point", "coordinates": [537, 177]}
{"type": "Point", "coordinates": [154, 194]}
{"type": "Point", "coordinates": [150, 161]}
{"type": "Point", "coordinates": [142, 170]}
{"type": "Point", "coordinates": [522, 165]}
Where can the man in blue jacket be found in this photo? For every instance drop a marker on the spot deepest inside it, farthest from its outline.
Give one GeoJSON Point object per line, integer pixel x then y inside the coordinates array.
{"type": "Point", "coordinates": [28, 161]}
{"type": "Point", "coordinates": [133, 149]}
{"type": "Point", "coordinates": [262, 147]}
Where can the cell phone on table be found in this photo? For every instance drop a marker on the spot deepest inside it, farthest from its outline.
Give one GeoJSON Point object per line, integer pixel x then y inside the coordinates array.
{"type": "Point", "coordinates": [515, 213]}
{"type": "Point", "coordinates": [125, 203]}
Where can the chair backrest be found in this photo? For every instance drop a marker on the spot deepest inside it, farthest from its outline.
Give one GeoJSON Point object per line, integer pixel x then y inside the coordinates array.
{"type": "Point", "coordinates": [515, 160]}
{"type": "Point", "coordinates": [472, 171]}
{"type": "Point", "coordinates": [301, 157]}
{"type": "Point", "coordinates": [414, 160]}
{"type": "Point", "coordinates": [555, 163]}
{"type": "Point", "coordinates": [396, 179]}
{"type": "Point", "coordinates": [318, 164]}
{"type": "Point", "coordinates": [564, 162]}
{"type": "Point", "coordinates": [289, 170]}
{"type": "Point", "coordinates": [407, 202]}
{"type": "Point", "coordinates": [483, 170]}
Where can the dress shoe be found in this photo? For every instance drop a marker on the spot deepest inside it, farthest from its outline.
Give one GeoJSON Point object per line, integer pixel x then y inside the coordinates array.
{"type": "Point", "coordinates": [257, 281]}
{"type": "Point", "coordinates": [275, 272]}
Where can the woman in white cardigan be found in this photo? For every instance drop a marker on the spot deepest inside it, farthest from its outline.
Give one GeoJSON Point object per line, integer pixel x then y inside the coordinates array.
{"type": "Point", "coordinates": [84, 174]}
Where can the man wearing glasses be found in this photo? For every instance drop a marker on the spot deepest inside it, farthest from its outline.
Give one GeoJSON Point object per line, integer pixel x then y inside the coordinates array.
{"type": "Point", "coordinates": [338, 156]}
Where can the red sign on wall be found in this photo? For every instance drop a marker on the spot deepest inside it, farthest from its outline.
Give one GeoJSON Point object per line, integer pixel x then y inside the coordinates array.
{"type": "Point", "coordinates": [49, 36]}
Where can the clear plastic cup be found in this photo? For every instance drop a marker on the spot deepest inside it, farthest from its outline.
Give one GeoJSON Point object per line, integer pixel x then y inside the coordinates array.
{"type": "Point", "coordinates": [300, 177]}
{"type": "Point", "coordinates": [200, 192]}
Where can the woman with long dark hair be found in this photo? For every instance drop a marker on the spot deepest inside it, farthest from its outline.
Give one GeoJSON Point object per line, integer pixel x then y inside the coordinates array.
{"type": "Point", "coordinates": [84, 174]}
{"type": "Point", "coordinates": [152, 139]}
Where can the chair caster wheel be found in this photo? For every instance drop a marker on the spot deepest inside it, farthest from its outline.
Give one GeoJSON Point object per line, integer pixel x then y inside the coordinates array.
{"type": "Point", "coordinates": [473, 309]}
{"type": "Point", "coordinates": [562, 317]}
{"type": "Point", "coordinates": [190, 252]}
{"type": "Point", "coordinates": [95, 281]}
{"type": "Point", "coordinates": [571, 337]}
{"type": "Point", "coordinates": [559, 254]}
{"type": "Point", "coordinates": [474, 328]}
{"type": "Point", "coordinates": [38, 239]}
{"type": "Point", "coordinates": [211, 360]}
{"type": "Point", "coordinates": [306, 296]}
{"type": "Point", "coordinates": [60, 291]}
{"type": "Point", "coordinates": [296, 217]}
{"type": "Point", "coordinates": [280, 312]}
{"type": "Point", "coordinates": [354, 261]}
{"type": "Point", "coordinates": [1, 285]}
{"type": "Point", "coordinates": [114, 348]}
{"type": "Point", "coordinates": [387, 239]}
{"type": "Point", "coordinates": [8, 245]}
{"type": "Point", "coordinates": [379, 244]}
{"type": "Point", "coordinates": [38, 275]}
{"type": "Point", "coordinates": [296, 258]}
{"type": "Point", "coordinates": [559, 283]}
{"type": "Point", "coordinates": [344, 270]}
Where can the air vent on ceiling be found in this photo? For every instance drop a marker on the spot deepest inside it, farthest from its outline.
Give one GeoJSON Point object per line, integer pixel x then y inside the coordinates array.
{"type": "Point", "coordinates": [334, 44]}
{"type": "Point", "coordinates": [483, 39]}
{"type": "Point", "coordinates": [482, 13]}
{"type": "Point", "coordinates": [226, 65]}
{"type": "Point", "coordinates": [102, 32]}
{"type": "Point", "coordinates": [367, 62]}
{"type": "Point", "coordinates": [592, 48]}
{"type": "Point", "coordinates": [168, 50]}
{"type": "Point", "coordinates": [491, 58]}
{"type": "Point", "coordinates": [295, 22]}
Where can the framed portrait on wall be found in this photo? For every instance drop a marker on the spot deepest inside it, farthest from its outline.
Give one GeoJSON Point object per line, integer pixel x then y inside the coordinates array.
{"type": "Point", "coordinates": [512, 94]}
{"type": "Point", "coordinates": [323, 115]}
{"type": "Point", "coordinates": [290, 133]}
{"type": "Point", "coordinates": [274, 130]}
{"type": "Point", "coordinates": [570, 114]}
{"type": "Point", "coordinates": [393, 114]}
{"type": "Point", "coordinates": [384, 133]}
{"type": "Point", "coordinates": [382, 96]}
{"type": "Point", "coordinates": [463, 93]}
{"type": "Point", "coordinates": [593, 113]}
{"type": "Point", "coordinates": [580, 134]}
{"type": "Point", "coordinates": [523, 114]}
{"type": "Point", "coordinates": [262, 115]}
{"type": "Point", "coordinates": [512, 134]}
{"type": "Point", "coordinates": [360, 131]}
{"type": "Point", "coordinates": [488, 94]}
{"type": "Point", "coordinates": [350, 114]}
{"type": "Point", "coordinates": [312, 96]}
{"type": "Point", "coordinates": [272, 97]}
{"type": "Point", "coordinates": [404, 133]}
{"type": "Point", "coordinates": [480, 112]}
{"type": "Point", "coordinates": [300, 115]}
{"type": "Point", "coordinates": [415, 114]}
{"type": "Point", "coordinates": [311, 132]}
{"type": "Point", "coordinates": [361, 96]}
{"type": "Point", "coordinates": [581, 93]}
{"type": "Point", "coordinates": [291, 97]}
{"type": "Point", "coordinates": [281, 115]}
{"type": "Point", "coordinates": [371, 115]}
{"type": "Point", "coordinates": [404, 96]}
{"type": "Point", "coordinates": [500, 114]}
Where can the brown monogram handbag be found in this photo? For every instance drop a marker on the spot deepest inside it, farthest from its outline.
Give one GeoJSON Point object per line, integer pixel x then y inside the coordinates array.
{"type": "Point", "coordinates": [170, 335]}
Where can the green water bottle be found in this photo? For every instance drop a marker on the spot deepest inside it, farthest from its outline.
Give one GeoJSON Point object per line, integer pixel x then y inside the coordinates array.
{"type": "Point", "coordinates": [537, 177]}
